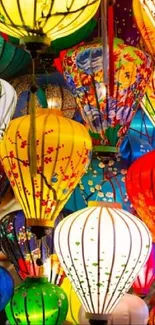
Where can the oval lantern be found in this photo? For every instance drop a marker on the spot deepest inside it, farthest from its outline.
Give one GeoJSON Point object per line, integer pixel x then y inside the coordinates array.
{"type": "Point", "coordinates": [103, 257]}
{"type": "Point", "coordinates": [131, 310]}
{"type": "Point", "coordinates": [73, 303]}
{"type": "Point", "coordinates": [6, 287]}
{"type": "Point", "coordinates": [110, 117]}
{"type": "Point", "coordinates": [52, 92]}
{"type": "Point", "coordinates": [62, 159]}
{"type": "Point", "coordinates": [144, 13]}
{"type": "Point", "coordinates": [36, 301]}
{"type": "Point", "coordinates": [146, 276]}
{"type": "Point", "coordinates": [47, 20]}
{"type": "Point", "coordinates": [104, 181]}
{"type": "Point", "coordinates": [8, 101]}
{"type": "Point", "coordinates": [140, 189]}
{"type": "Point", "coordinates": [31, 256]}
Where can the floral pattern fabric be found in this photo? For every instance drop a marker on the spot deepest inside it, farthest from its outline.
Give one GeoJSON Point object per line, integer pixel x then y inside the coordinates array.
{"type": "Point", "coordinates": [83, 70]}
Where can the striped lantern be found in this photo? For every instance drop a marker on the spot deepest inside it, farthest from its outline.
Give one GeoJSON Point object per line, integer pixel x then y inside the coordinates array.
{"type": "Point", "coordinates": [63, 149]}
{"type": "Point", "coordinates": [152, 317]}
{"type": "Point", "coordinates": [102, 250]}
{"type": "Point", "coordinates": [8, 99]}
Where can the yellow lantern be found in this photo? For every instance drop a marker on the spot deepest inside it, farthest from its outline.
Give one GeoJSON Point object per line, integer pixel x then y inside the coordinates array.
{"type": "Point", "coordinates": [74, 303]}
{"type": "Point", "coordinates": [63, 152]}
{"type": "Point", "coordinates": [44, 20]}
{"type": "Point", "coordinates": [144, 12]}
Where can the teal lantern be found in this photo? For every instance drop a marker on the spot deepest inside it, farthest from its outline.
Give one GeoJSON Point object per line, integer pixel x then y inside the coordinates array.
{"type": "Point", "coordinates": [37, 302]}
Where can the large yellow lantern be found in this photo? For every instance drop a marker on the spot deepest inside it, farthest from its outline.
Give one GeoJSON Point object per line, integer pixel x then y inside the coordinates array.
{"type": "Point", "coordinates": [63, 150]}
{"type": "Point", "coordinates": [44, 20]}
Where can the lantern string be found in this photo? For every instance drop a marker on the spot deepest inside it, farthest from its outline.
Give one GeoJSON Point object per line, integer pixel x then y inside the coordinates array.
{"type": "Point", "coordinates": [104, 39]}
{"type": "Point", "coordinates": [33, 154]}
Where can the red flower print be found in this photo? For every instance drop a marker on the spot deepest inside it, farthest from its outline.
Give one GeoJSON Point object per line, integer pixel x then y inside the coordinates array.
{"type": "Point", "coordinates": [15, 175]}
{"type": "Point", "coordinates": [65, 178]}
{"type": "Point", "coordinates": [25, 163]}
{"type": "Point", "coordinates": [50, 149]}
{"type": "Point", "coordinates": [23, 144]}
{"type": "Point", "coordinates": [38, 194]}
{"type": "Point", "coordinates": [43, 203]}
{"type": "Point", "coordinates": [13, 166]}
{"type": "Point", "coordinates": [47, 160]}
{"type": "Point", "coordinates": [39, 169]}
{"type": "Point", "coordinates": [11, 154]}
{"type": "Point", "coordinates": [37, 142]}
{"type": "Point", "coordinates": [9, 173]}
{"type": "Point", "coordinates": [12, 183]}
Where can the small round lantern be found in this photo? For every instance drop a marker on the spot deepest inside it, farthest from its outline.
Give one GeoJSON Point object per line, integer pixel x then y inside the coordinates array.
{"type": "Point", "coordinates": [37, 302]}
{"type": "Point", "coordinates": [6, 287]}
{"type": "Point", "coordinates": [152, 316]}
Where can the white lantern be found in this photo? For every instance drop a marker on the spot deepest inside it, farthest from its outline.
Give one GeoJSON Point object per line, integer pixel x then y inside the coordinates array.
{"type": "Point", "coordinates": [8, 100]}
{"type": "Point", "coordinates": [131, 310]}
{"type": "Point", "coordinates": [102, 250]}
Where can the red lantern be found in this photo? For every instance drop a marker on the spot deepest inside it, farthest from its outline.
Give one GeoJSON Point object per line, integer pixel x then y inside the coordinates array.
{"type": "Point", "coordinates": [140, 183]}
{"type": "Point", "coordinates": [152, 317]}
{"type": "Point", "coordinates": [146, 276]}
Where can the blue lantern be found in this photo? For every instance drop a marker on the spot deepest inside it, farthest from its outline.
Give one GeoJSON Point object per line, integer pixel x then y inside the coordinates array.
{"type": "Point", "coordinates": [6, 287]}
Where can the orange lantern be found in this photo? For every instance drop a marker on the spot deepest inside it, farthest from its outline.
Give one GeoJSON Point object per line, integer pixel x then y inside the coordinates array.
{"type": "Point", "coordinates": [63, 149]}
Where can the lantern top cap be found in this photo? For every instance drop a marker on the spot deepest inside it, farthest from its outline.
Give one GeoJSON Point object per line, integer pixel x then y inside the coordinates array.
{"type": "Point", "coordinates": [42, 279]}
{"type": "Point", "coordinates": [101, 204]}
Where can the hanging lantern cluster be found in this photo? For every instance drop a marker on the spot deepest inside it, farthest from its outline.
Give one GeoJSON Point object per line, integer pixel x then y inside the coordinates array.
{"type": "Point", "coordinates": [105, 115]}
{"type": "Point", "coordinates": [103, 257]}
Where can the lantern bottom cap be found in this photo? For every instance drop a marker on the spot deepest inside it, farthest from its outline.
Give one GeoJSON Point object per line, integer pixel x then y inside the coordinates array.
{"type": "Point", "coordinates": [39, 223]}
{"type": "Point", "coordinates": [98, 316]}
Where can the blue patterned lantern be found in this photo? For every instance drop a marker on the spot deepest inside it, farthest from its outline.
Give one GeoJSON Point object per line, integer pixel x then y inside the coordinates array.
{"type": "Point", "coordinates": [6, 287]}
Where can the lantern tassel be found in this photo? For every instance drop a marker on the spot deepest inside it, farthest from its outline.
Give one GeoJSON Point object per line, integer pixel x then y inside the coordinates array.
{"type": "Point", "coordinates": [33, 154]}
{"type": "Point", "coordinates": [111, 42]}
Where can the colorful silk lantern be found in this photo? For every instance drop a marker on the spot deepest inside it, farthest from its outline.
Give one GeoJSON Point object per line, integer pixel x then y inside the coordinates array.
{"type": "Point", "coordinates": [148, 102]}
{"type": "Point", "coordinates": [104, 181]}
{"type": "Point", "coordinates": [62, 159]}
{"type": "Point", "coordinates": [52, 93]}
{"type": "Point", "coordinates": [108, 116]}
{"type": "Point", "coordinates": [144, 13]}
{"type": "Point", "coordinates": [131, 310]}
{"type": "Point", "coordinates": [152, 316]}
{"type": "Point", "coordinates": [8, 101]}
{"type": "Point", "coordinates": [36, 301]}
{"type": "Point", "coordinates": [102, 250]}
{"type": "Point", "coordinates": [140, 189]}
{"type": "Point", "coordinates": [13, 59]}
{"type": "Point", "coordinates": [45, 21]}
{"type": "Point", "coordinates": [6, 287]}
{"type": "Point", "coordinates": [30, 255]}
{"type": "Point", "coordinates": [73, 303]}
{"type": "Point", "coordinates": [146, 276]}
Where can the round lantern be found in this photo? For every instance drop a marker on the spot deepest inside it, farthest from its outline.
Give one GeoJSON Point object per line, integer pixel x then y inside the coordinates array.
{"type": "Point", "coordinates": [31, 256]}
{"type": "Point", "coordinates": [152, 316]}
{"type": "Point", "coordinates": [8, 101]}
{"type": "Point", "coordinates": [13, 59]}
{"type": "Point", "coordinates": [36, 301]}
{"type": "Point", "coordinates": [52, 92]}
{"type": "Point", "coordinates": [62, 159]}
{"type": "Point", "coordinates": [104, 181]}
{"type": "Point", "coordinates": [105, 115]}
{"type": "Point", "coordinates": [146, 276]}
{"type": "Point", "coordinates": [102, 249]}
{"type": "Point", "coordinates": [73, 303]}
{"type": "Point", "coordinates": [46, 20]}
{"type": "Point", "coordinates": [144, 13]}
{"type": "Point", "coordinates": [131, 310]}
{"type": "Point", "coordinates": [6, 287]}
{"type": "Point", "coordinates": [140, 188]}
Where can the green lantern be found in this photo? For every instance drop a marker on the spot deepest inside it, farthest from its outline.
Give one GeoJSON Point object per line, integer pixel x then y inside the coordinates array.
{"type": "Point", "coordinates": [37, 302]}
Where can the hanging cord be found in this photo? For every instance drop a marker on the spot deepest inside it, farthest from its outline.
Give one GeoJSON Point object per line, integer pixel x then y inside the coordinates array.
{"type": "Point", "coordinates": [111, 45]}
{"type": "Point", "coordinates": [33, 154]}
{"type": "Point", "coordinates": [104, 37]}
